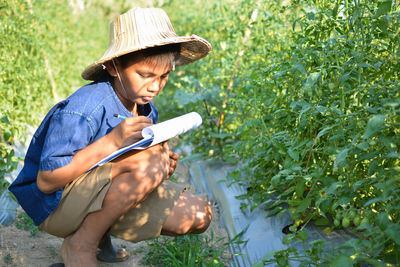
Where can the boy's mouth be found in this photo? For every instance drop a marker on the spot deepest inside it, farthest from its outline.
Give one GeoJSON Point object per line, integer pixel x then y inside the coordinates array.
{"type": "Point", "coordinates": [148, 98]}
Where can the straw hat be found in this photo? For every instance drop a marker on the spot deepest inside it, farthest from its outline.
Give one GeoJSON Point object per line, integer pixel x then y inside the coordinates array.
{"type": "Point", "coordinates": [141, 28]}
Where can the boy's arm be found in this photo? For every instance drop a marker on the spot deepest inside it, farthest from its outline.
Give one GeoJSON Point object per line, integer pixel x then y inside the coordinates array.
{"type": "Point", "coordinates": [127, 132]}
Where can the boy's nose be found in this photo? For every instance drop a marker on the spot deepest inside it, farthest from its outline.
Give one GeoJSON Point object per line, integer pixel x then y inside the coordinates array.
{"type": "Point", "coordinates": [154, 87]}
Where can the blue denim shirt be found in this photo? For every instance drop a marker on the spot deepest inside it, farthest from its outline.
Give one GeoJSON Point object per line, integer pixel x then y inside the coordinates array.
{"type": "Point", "coordinates": [70, 126]}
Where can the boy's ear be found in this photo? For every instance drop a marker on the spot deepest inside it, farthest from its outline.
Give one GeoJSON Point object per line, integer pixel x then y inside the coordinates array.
{"type": "Point", "coordinates": [110, 68]}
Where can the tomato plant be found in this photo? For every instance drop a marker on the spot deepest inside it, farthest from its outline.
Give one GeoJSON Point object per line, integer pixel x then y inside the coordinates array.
{"type": "Point", "coordinates": [311, 110]}
{"type": "Point", "coordinates": [44, 46]}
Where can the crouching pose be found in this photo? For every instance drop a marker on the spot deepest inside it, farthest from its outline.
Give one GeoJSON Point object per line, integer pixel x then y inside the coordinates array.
{"type": "Point", "coordinates": [129, 197]}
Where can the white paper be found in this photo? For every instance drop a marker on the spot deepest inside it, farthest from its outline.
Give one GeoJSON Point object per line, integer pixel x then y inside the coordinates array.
{"type": "Point", "coordinates": [168, 129]}
{"type": "Point", "coordinates": [158, 133]}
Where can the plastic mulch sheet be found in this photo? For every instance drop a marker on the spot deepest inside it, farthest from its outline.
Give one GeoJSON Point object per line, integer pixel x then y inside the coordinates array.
{"type": "Point", "coordinates": [8, 208]}
{"type": "Point", "coordinates": [261, 233]}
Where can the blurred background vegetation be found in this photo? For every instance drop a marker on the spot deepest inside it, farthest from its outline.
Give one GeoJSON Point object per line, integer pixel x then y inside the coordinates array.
{"type": "Point", "coordinates": [304, 96]}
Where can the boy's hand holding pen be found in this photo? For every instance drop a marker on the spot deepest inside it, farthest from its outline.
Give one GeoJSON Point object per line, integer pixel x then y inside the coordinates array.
{"type": "Point", "coordinates": [129, 131]}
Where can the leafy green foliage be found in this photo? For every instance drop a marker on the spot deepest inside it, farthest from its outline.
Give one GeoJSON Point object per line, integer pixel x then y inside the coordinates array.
{"type": "Point", "coordinates": [309, 105]}
{"type": "Point", "coordinates": [45, 45]}
{"type": "Point", "coordinates": [187, 250]}
{"type": "Point", "coordinates": [24, 222]}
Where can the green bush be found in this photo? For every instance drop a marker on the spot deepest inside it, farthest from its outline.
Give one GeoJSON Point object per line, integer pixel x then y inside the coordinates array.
{"type": "Point", "coordinates": [44, 47]}
{"type": "Point", "coordinates": [310, 109]}
{"type": "Point", "coordinates": [24, 222]}
{"type": "Point", "coordinates": [187, 250]}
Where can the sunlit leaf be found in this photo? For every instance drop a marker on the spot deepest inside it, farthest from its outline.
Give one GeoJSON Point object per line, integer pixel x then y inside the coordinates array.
{"type": "Point", "coordinates": [382, 221]}
{"type": "Point", "coordinates": [394, 233]}
{"type": "Point", "coordinates": [293, 154]}
{"type": "Point", "coordinates": [383, 8]}
{"type": "Point", "coordinates": [304, 204]}
{"type": "Point", "coordinates": [311, 80]}
{"type": "Point", "coordinates": [5, 119]}
{"type": "Point", "coordinates": [375, 124]}
{"type": "Point", "coordinates": [341, 261]}
{"type": "Point", "coordinates": [322, 221]}
{"type": "Point", "coordinates": [340, 159]}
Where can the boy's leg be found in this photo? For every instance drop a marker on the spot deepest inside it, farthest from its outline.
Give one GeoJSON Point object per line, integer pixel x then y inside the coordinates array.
{"type": "Point", "coordinates": [134, 176]}
{"type": "Point", "coordinates": [190, 215]}
{"type": "Point", "coordinates": [167, 211]}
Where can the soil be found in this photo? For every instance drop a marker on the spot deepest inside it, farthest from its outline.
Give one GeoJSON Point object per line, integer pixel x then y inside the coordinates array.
{"type": "Point", "coordinates": [19, 248]}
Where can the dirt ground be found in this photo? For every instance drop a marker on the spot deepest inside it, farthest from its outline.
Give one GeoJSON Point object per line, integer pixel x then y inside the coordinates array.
{"type": "Point", "coordinates": [18, 248]}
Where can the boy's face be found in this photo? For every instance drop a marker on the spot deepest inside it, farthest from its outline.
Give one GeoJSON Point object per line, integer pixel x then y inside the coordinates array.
{"type": "Point", "coordinates": [142, 80]}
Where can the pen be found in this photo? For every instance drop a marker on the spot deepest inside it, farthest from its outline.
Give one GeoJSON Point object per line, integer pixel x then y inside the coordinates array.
{"type": "Point", "coordinates": [120, 116]}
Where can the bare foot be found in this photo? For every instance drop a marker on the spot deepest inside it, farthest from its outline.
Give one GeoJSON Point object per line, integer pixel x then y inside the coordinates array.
{"type": "Point", "coordinates": [76, 253]}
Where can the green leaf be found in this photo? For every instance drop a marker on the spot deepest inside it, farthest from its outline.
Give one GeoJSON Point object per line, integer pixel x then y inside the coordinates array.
{"type": "Point", "coordinates": [344, 78]}
{"type": "Point", "coordinates": [383, 221]}
{"type": "Point", "coordinates": [270, 203]}
{"type": "Point", "coordinates": [7, 135]}
{"type": "Point", "coordinates": [293, 154]}
{"type": "Point", "coordinates": [275, 211]}
{"type": "Point", "coordinates": [323, 203]}
{"type": "Point", "coordinates": [340, 159]}
{"type": "Point", "coordinates": [220, 135]}
{"type": "Point", "coordinates": [294, 23]}
{"type": "Point", "coordinates": [275, 180]}
{"type": "Point", "coordinates": [378, 64]}
{"type": "Point", "coordinates": [394, 233]}
{"type": "Point", "coordinates": [324, 131]}
{"type": "Point", "coordinates": [269, 255]}
{"type": "Point", "coordinates": [322, 221]}
{"type": "Point", "coordinates": [372, 201]}
{"type": "Point", "coordinates": [287, 239]}
{"type": "Point", "coordinates": [344, 200]}
{"type": "Point", "coordinates": [341, 261]}
{"type": "Point", "coordinates": [311, 80]}
{"type": "Point", "coordinates": [383, 8]}
{"type": "Point", "coordinates": [300, 68]}
{"type": "Point", "coordinates": [302, 235]}
{"type": "Point", "coordinates": [333, 188]}
{"type": "Point", "coordinates": [192, 157]}
{"type": "Point", "coordinates": [392, 155]}
{"type": "Point", "coordinates": [375, 125]}
{"type": "Point", "coordinates": [363, 145]}
{"type": "Point", "coordinates": [364, 65]}
{"type": "Point", "coordinates": [304, 205]}
{"type": "Point", "coordinates": [5, 119]}
{"type": "Point", "coordinates": [300, 189]}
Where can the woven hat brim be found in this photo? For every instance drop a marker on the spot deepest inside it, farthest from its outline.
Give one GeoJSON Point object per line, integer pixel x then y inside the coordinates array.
{"type": "Point", "coordinates": [192, 48]}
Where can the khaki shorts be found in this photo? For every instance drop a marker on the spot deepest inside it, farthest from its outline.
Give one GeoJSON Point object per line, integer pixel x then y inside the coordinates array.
{"type": "Point", "coordinates": [85, 195]}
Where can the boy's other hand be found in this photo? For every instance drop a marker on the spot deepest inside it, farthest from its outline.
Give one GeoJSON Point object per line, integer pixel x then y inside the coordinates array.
{"type": "Point", "coordinates": [129, 131]}
{"type": "Point", "coordinates": [173, 159]}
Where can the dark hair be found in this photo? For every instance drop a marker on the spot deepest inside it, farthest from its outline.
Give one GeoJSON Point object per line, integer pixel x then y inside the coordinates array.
{"type": "Point", "coordinates": [166, 55]}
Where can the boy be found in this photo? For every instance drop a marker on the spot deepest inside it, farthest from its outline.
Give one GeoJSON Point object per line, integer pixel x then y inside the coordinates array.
{"type": "Point", "coordinates": [130, 197]}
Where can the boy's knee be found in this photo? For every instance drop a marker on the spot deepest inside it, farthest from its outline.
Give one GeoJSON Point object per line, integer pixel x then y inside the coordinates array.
{"type": "Point", "coordinates": [191, 215]}
{"type": "Point", "coordinates": [203, 219]}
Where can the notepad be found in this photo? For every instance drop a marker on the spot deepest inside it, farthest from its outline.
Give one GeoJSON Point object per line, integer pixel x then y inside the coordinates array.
{"type": "Point", "coordinates": [158, 133]}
